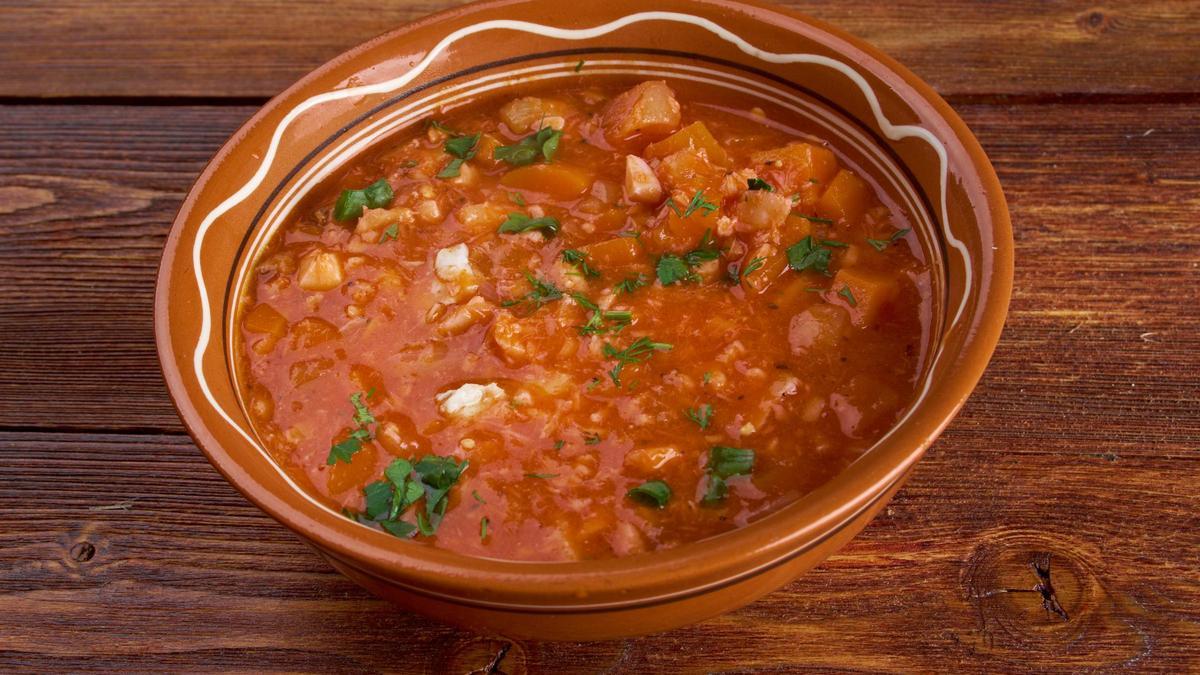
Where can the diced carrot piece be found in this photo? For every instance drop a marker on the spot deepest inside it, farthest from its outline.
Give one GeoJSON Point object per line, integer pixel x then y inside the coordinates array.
{"type": "Point", "coordinates": [361, 468]}
{"type": "Point", "coordinates": [796, 165]}
{"type": "Point", "coordinates": [688, 231]}
{"type": "Point", "coordinates": [487, 146]}
{"type": "Point", "coordinates": [303, 372]}
{"type": "Point", "coordinates": [845, 199]}
{"type": "Point", "coordinates": [647, 112]}
{"type": "Point", "coordinates": [614, 252]}
{"type": "Point", "coordinates": [870, 292]}
{"type": "Point", "coordinates": [557, 180]}
{"type": "Point", "coordinates": [694, 136]}
{"type": "Point", "coordinates": [312, 331]}
{"type": "Point", "coordinates": [773, 264]}
{"type": "Point", "coordinates": [266, 320]}
{"type": "Point", "coordinates": [690, 170]}
{"type": "Point", "coordinates": [795, 228]}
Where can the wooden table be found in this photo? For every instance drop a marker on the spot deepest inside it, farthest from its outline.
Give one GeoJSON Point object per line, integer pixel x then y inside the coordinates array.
{"type": "Point", "coordinates": [1079, 454]}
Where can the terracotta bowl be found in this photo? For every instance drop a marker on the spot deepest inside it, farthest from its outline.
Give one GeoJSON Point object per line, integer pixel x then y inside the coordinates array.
{"type": "Point", "coordinates": [873, 109]}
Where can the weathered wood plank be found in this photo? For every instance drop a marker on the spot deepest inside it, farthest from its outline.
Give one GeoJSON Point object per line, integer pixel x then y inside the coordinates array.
{"type": "Point", "coordinates": [127, 552]}
{"type": "Point", "coordinates": [255, 49]}
{"type": "Point", "coordinates": [1100, 347]}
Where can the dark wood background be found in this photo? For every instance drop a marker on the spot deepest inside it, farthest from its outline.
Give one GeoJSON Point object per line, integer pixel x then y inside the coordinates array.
{"type": "Point", "coordinates": [120, 548]}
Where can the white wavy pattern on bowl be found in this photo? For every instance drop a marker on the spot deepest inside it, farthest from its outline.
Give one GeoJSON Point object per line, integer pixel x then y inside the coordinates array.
{"type": "Point", "coordinates": [892, 131]}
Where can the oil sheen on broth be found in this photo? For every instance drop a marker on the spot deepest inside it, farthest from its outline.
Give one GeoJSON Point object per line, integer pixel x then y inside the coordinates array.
{"type": "Point", "coordinates": [584, 324]}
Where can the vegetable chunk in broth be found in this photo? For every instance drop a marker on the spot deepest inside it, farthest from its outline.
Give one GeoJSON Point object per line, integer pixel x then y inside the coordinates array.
{"type": "Point", "coordinates": [584, 324]}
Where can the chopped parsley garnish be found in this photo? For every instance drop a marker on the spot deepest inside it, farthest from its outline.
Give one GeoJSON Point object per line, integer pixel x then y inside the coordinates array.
{"type": "Point", "coordinates": [653, 493]}
{"type": "Point", "coordinates": [352, 202]}
{"type": "Point", "coordinates": [579, 66]}
{"type": "Point", "coordinates": [542, 293]}
{"type": "Point", "coordinates": [344, 451]}
{"type": "Point", "coordinates": [391, 233]}
{"type": "Point", "coordinates": [881, 244]}
{"type": "Point", "coordinates": [701, 415]}
{"type": "Point", "coordinates": [526, 151]}
{"type": "Point", "coordinates": [517, 198]}
{"type": "Point", "coordinates": [602, 320]}
{"type": "Point", "coordinates": [578, 258]}
{"type": "Point", "coordinates": [442, 127]}
{"type": "Point", "coordinates": [475, 494]}
{"type": "Point", "coordinates": [808, 255]}
{"type": "Point", "coordinates": [388, 499]}
{"type": "Point", "coordinates": [637, 352]}
{"type": "Point", "coordinates": [671, 269]}
{"type": "Point", "coordinates": [759, 184]}
{"type": "Point", "coordinates": [541, 476]}
{"type": "Point", "coordinates": [707, 250]}
{"type": "Point", "coordinates": [725, 462]}
{"type": "Point", "coordinates": [736, 275]}
{"type": "Point", "coordinates": [631, 284]}
{"type": "Point", "coordinates": [591, 439]}
{"type": "Point", "coordinates": [834, 244]}
{"type": "Point", "coordinates": [460, 149]}
{"type": "Point", "coordinates": [519, 222]}
{"type": "Point", "coordinates": [558, 445]}
{"type": "Point", "coordinates": [698, 203]}
{"type": "Point", "coordinates": [814, 219]}
{"type": "Point", "coordinates": [483, 528]}
{"type": "Point", "coordinates": [848, 295]}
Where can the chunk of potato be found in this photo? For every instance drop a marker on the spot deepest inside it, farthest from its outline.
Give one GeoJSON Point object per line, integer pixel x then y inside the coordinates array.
{"type": "Point", "coordinates": [522, 340]}
{"type": "Point", "coordinates": [560, 181]}
{"type": "Point", "coordinates": [320, 271]}
{"type": "Point", "coordinates": [694, 136]}
{"type": "Point", "coordinates": [523, 115]}
{"type": "Point", "coordinates": [762, 210]}
{"type": "Point", "coordinates": [647, 112]}
{"type": "Point", "coordinates": [481, 218]}
{"type": "Point", "coordinates": [817, 330]}
{"type": "Point", "coordinates": [773, 264]}
{"type": "Point", "coordinates": [458, 319]}
{"type": "Point", "coordinates": [373, 222]}
{"type": "Point", "coordinates": [871, 292]}
{"type": "Point", "coordinates": [845, 199]}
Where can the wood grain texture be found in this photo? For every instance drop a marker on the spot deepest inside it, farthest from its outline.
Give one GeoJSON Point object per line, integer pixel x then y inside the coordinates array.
{"type": "Point", "coordinates": [256, 48]}
{"type": "Point", "coordinates": [121, 549]}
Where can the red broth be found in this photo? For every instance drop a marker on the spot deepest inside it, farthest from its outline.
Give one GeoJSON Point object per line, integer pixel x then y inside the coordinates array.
{"type": "Point", "coordinates": [583, 325]}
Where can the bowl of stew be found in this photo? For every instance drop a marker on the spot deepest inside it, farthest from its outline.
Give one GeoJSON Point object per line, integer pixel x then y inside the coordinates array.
{"type": "Point", "coordinates": [590, 326]}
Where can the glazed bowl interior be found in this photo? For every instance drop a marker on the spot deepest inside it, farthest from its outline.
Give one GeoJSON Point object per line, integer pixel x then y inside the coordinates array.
{"type": "Point", "coordinates": [879, 117]}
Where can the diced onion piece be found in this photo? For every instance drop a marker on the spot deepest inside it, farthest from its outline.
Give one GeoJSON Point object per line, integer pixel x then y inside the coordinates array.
{"type": "Point", "coordinates": [641, 185]}
{"type": "Point", "coordinates": [320, 271]}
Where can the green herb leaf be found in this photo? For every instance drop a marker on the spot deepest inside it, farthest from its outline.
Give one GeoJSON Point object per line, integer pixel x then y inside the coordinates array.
{"type": "Point", "coordinates": [591, 439]}
{"type": "Point", "coordinates": [848, 295]}
{"type": "Point", "coordinates": [672, 269]}
{"type": "Point", "coordinates": [483, 528]}
{"type": "Point", "coordinates": [806, 255]}
{"type": "Point", "coordinates": [707, 250]}
{"type": "Point", "coordinates": [519, 222]}
{"type": "Point", "coordinates": [814, 219]}
{"type": "Point", "coordinates": [579, 66]}
{"type": "Point", "coordinates": [398, 528]}
{"type": "Point", "coordinates": [759, 184]}
{"type": "Point", "coordinates": [378, 499]}
{"type": "Point", "coordinates": [475, 494]}
{"type": "Point", "coordinates": [701, 415]}
{"type": "Point", "coordinates": [579, 258]}
{"type": "Point", "coordinates": [390, 233]}
{"type": "Point", "coordinates": [698, 203]}
{"type": "Point", "coordinates": [653, 493]}
{"type": "Point", "coordinates": [834, 244]}
{"type": "Point", "coordinates": [724, 461]}
{"type": "Point", "coordinates": [542, 293]}
{"type": "Point", "coordinates": [460, 149]}
{"type": "Point", "coordinates": [526, 151]}
{"type": "Point", "coordinates": [715, 491]}
{"type": "Point", "coordinates": [631, 284]}
{"type": "Point", "coordinates": [558, 445]}
{"type": "Point", "coordinates": [344, 451]}
{"type": "Point", "coordinates": [517, 198]}
{"type": "Point", "coordinates": [881, 244]}
{"type": "Point", "coordinates": [351, 202]}
{"type": "Point", "coordinates": [637, 352]}
{"type": "Point", "coordinates": [541, 476]}
{"type": "Point", "coordinates": [362, 415]}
